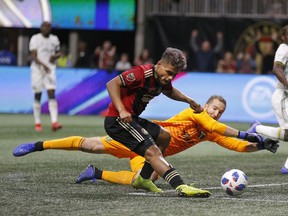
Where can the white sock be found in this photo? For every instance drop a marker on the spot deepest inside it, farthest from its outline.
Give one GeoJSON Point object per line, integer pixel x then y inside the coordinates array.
{"type": "Point", "coordinates": [53, 109]}
{"type": "Point", "coordinates": [274, 132]}
{"type": "Point", "coordinates": [286, 163]}
{"type": "Point", "coordinates": [37, 112]}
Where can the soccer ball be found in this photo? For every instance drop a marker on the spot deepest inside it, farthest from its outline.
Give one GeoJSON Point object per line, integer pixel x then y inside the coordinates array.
{"type": "Point", "coordinates": [234, 182]}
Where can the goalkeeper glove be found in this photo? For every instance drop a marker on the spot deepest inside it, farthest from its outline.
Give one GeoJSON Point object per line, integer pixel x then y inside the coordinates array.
{"type": "Point", "coordinates": [250, 137]}
{"type": "Point", "coordinates": [262, 143]}
{"type": "Point", "coordinates": [269, 144]}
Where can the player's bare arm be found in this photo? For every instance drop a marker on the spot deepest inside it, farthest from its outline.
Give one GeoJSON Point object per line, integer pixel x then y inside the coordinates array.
{"type": "Point", "coordinates": [54, 57]}
{"type": "Point", "coordinates": [278, 70]}
{"type": "Point", "coordinates": [113, 87]}
{"type": "Point", "coordinates": [37, 61]}
{"type": "Point", "coordinates": [57, 55]}
{"type": "Point", "coordinates": [175, 94]}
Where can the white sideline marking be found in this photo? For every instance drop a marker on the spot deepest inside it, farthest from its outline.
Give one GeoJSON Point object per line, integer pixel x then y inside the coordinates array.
{"type": "Point", "coordinates": [217, 188]}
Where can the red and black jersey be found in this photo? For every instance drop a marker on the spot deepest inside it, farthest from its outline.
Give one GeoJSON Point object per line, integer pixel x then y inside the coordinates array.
{"type": "Point", "coordinates": [139, 86]}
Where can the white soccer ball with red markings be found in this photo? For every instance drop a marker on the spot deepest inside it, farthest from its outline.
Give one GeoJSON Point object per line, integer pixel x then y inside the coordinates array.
{"type": "Point", "coordinates": [234, 182]}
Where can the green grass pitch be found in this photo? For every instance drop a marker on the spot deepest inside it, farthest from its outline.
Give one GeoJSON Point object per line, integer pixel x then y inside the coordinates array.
{"type": "Point", "coordinates": [43, 183]}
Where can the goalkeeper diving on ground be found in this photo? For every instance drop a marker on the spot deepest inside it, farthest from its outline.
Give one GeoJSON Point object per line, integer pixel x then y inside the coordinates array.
{"type": "Point", "coordinates": [186, 128]}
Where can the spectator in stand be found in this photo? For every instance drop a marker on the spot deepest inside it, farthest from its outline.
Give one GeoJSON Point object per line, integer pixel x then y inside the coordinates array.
{"type": "Point", "coordinates": [206, 56]}
{"type": "Point", "coordinates": [143, 58]}
{"type": "Point", "coordinates": [94, 59]}
{"type": "Point", "coordinates": [123, 64]}
{"type": "Point", "coordinates": [245, 63]}
{"type": "Point", "coordinates": [227, 64]}
{"type": "Point", "coordinates": [104, 57]}
{"type": "Point", "coordinates": [82, 60]}
{"type": "Point", "coordinates": [6, 56]}
{"type": "Point", "coordinates": [65, 58]}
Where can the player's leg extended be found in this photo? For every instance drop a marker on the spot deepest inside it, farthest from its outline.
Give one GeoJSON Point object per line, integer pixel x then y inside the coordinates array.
{"type": "Point", "coordinates": [280, 107]}
{"type": "Point", "coordinates": [93, 145]}
{"type": "Point", "coordinates": [118, 150]}
{"type": "Point", "coordinates": [132, 135]}
{"type": "Point", "coordinates": [92, 173]}
{"type": "Point", "coordinates": [126, 177]}
{"type": "Point", "coordinates": [155, 159]}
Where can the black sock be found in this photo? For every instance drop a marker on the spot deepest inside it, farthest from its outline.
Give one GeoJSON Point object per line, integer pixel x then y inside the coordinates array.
{"type": "Point", "coordinates": [146, 171]}
{"type": "Point", "coordinates": [39, 146]}
{"type": "Point", "coordinates": [98, 173]}
{"type": "Point", "coordinates": [173, 178]}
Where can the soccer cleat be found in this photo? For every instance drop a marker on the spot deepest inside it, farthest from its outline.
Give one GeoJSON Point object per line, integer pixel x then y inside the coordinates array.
{"type": "Point", "coordinates": [188, 191]}
{"type": "Point", "coordinates": [38, 127]}
{"type": "Point", "coordinates": [56, 126]}
{"type": "Point", "coordinates": [24, 149]}
{"type": "Point", "coordinates": [87, 174]}
{"type": "Point", "coordinates": [284, 170]}
{"type": "Point", "coordinates": [252, 128]}
{"type": "Point", "coordinates": [145, 184]}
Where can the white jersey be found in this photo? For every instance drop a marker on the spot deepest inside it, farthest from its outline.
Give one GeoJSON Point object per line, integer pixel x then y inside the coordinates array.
{"type": "Point", "coordinates": [280, 95]}
{"type": "Point", "coordinates": [45, 47]}
{"type": "Point", "coordinates": [281, 55]}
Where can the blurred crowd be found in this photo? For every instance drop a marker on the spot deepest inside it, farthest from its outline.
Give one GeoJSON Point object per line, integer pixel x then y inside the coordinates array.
{"type": "Point", "coordinates": [202, 55]}
{"type": "Point", "coordinates": [103, 57]}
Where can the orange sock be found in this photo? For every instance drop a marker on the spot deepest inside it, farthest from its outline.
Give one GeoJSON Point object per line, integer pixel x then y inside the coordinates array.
{"type": "Point", "coordinates": [121, 177]}
{"type": "Point", "coordinates": [68, 143]}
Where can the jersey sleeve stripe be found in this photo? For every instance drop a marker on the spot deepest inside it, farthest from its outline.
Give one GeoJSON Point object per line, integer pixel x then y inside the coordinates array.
{"type": "Point", "coordinates": [122, 80]}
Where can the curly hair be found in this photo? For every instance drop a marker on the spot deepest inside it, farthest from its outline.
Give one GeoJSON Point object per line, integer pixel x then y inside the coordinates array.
{"type": "Point", "coordinates": [175, 57]}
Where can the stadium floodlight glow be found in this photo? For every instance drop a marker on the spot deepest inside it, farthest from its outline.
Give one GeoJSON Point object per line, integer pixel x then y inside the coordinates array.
{"type": "Point", "coordinates": [46, 10]}
{"type": "Point", "coordinates": [18, 13]}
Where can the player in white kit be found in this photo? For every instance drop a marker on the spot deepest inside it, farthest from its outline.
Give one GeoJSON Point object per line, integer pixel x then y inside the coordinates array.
{"type": "Point", "coordinates": [45, 50]}
{"type": "Point", "coordinates": [279, 97]}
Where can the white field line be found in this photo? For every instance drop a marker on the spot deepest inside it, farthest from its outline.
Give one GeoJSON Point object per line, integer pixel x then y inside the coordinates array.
{"type": "Point", "coordinates": [228, 198]}
{"type": "Point", "coordinates": [252, 186]}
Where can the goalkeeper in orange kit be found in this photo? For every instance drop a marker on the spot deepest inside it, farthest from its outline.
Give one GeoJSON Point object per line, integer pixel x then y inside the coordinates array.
{"type": "Point", "coordinates": [186, 128]}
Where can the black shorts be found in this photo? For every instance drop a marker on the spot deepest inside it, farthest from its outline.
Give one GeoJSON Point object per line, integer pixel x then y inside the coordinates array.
{"type": "Point", "coordinates": [138, 135]}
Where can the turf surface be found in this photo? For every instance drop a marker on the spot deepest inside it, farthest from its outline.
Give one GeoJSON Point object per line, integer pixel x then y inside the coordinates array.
{"type": "Point", "coordinates": [42, 183]}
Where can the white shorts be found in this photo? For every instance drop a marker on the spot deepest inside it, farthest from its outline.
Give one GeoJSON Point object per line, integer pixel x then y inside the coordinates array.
{"type": "Point", "coordinates": [41, 80]}
{"type": "Point", "coordinates": [280, 106]}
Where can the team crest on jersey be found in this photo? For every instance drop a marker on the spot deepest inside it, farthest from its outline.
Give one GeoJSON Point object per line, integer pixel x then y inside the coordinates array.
{"type": "Point", "coordinates": [201, 135]}
{"type": "Point", "coordinates": [130, 77]}
{"type": "Point", "coordinates": [144, 131]}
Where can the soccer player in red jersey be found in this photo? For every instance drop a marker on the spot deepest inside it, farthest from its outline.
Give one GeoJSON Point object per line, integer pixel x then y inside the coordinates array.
{"type": "Point", "coordinates": [130, 93]}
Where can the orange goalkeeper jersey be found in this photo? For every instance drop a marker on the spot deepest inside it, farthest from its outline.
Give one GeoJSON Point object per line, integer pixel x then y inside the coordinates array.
{"type": "Point", "coordinates": [188, 129]}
